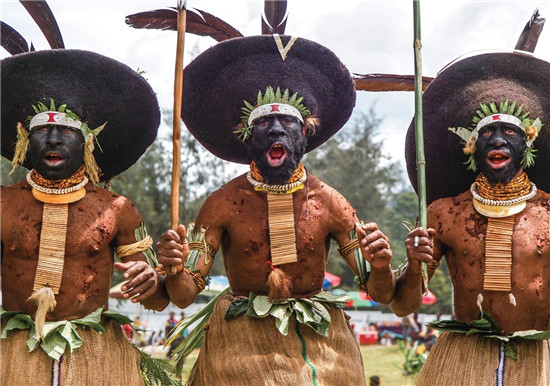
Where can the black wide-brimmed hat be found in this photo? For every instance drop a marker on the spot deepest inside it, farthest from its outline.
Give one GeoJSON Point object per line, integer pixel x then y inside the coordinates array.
{"type": "Point", "coordinates": [218, 80]}
{"type": "Point", "coordinates": [452, 99]}
{"type": "Point", "coordinates": [96, 88]}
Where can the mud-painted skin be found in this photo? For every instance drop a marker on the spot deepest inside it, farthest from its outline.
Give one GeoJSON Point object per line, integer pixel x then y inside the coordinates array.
{"type": "Point", "coordinates": [499, 150]}
{"type": "Point", "coordinates": [96, 224]}
{"type": "Point", "coordinates": [457, 231]}
{"type": "Point", "coordinates": [235, 217]}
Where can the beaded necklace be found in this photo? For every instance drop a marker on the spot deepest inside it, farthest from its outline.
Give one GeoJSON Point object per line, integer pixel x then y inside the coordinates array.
{"type": "Point", "coordinates": [63, 191]}
{"type": "Point", "coordinates": [296, 181]}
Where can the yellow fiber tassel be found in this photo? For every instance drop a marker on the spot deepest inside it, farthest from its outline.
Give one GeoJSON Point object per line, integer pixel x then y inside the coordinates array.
{"type": "Point", "coordinates": [90, 164]}
{"type": "Point", "coordinates": [21, 147]}
{"type": "Point", "coordinates": [45, 301]}
{"type": "Point", "coordinates": [279, 284]}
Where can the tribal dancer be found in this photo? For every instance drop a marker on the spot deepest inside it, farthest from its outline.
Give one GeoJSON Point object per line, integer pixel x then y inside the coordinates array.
{"type": "Point", "coordinates": [265, 101]}
{"type": "Point", "coordinates": [60, 230]}
{"type": "Point", "coordinates": [493, 228]}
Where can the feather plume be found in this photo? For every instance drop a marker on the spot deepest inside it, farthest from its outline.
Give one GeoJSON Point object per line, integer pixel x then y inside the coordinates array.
{"type": "Point", "coordinates": [43, 16]}
{"type": "Point", "coordinates": [387, 82]}
{"type": "Point", "coordinates": [12, 41]}
{"type": "Point", "coordinates": [274, 17]}
{"type": "Point", "coordinates": [198, 22]}
{"type": "Point", "coordinates": [530, 35]}
{"type": "Point", "coordinates": [279, 284]}
{"type": "Point", "coordinates": [45, 302]}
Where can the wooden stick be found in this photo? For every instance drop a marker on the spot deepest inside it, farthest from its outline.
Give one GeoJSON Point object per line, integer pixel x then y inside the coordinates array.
{"type": "Point", "coordinates": [176, 135]}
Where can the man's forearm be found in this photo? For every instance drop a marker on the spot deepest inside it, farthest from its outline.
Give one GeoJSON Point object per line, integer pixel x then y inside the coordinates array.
{"type": "Point", "coordinates": [408, 292]}
{"type": "Point", "coordinates": [181, 289]}
{"type": "Point", "coordinates": [381, 285]}
{"type": "Point", "coordinates": [159, 300]}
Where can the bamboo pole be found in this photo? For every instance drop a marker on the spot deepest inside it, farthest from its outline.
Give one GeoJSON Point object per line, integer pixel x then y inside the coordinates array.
{"type": "Point", "coordinates": [176, 132]}
{"type": "Point", "coordinates": [419, 132]}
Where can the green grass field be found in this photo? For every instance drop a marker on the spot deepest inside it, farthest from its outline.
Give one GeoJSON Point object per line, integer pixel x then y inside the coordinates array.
{"type": "Point", "coordinates": [384, 361]}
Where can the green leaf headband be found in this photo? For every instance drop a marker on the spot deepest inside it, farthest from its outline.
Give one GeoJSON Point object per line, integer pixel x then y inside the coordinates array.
{"type": "Point", "coordinates": [272, 102]}
{"type": "Point", "coordinates": [61, 116]}
{"type": "Point", "coordinates": [508, 113]}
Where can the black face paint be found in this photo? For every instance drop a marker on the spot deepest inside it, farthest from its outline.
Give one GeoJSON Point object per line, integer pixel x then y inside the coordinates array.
{"type": "Point", "coordinates": [499, 151]}
{"type": "Point", "coordinates": [56, 152]}
{"type": "Point", "coordinates": [277, 145]}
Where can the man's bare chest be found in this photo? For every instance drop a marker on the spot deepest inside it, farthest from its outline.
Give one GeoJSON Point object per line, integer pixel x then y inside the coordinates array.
{"type": "Point", "coordinates": [88, 230]}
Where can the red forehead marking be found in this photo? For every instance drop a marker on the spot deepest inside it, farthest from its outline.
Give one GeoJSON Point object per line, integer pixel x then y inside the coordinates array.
{"type": "Point", "coordinates": [274, 108]}
{"type": "Point", "coordinates": [51, 117]}
{"type": "Point", "coordinates": [496, 117]}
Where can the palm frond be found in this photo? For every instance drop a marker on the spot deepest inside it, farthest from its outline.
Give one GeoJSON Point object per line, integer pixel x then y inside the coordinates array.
{"type": "Point", "coordinates": [156, 371]}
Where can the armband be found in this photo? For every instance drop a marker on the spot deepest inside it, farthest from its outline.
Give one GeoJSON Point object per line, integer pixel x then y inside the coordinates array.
{"type": "Point", "coordinates": [197, 247]}
{"type": "Point", "coordinates": [143, 244]}
{"type": "Point", "coordinates": [132, 249]}
{"type": "Point", "coordinates": [197, 278]}
{"type": "Point", "coordinates": [349, 248]}
{"type": "Point", "coordinates": [362, 265]}
{"type": "Point", "coordinates": [202, 247]}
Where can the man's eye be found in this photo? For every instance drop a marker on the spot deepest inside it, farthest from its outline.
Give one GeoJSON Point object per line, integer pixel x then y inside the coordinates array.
{"type": "Point", "coordinates": [510, 132]}
{"type": "Point", "coordinates": [487, 133]}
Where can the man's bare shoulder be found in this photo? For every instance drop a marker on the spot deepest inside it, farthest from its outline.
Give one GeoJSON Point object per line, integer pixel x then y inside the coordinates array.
{"type": "Point", "coordinates": [540, 203]}
{"type": "Point", "coordinates": [229, 191]}
{"type": "Point", "coordinates": [542, 198]}
{"type": "Point", "coordinates": [98, 198]}
{"type": "Point", "coordinates": [340, 210]}
{"type": "Point", "coordinates": [218, 204]}
{"type": "Point", "coordinates": [450, 204]}
{"type": "Point", "coordinates": [16, 188]}
{"type": "Point", "coordinates": [325, 190]}
{"type": "Point", "coordinates": [16, 194]}
{"type": "Point", "coordinates": [107, 196]}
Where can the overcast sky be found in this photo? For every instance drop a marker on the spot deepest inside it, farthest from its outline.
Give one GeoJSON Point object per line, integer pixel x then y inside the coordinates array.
{"type": "Point", "coordinates": [368, 36]}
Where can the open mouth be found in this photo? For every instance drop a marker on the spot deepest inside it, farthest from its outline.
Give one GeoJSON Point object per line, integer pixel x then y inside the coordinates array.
{"type": "Point", "coordinates": [276, 155]}
{"type": "Point", "coordinates": [53, 159]}
{"type": "Point", "coordinates": [498, 159]}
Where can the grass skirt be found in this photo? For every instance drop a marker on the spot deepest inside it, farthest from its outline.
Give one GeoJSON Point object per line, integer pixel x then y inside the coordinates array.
{"type": "Point", "coordinates": [103, 359]}
{"type": "Point", "coordinates": [457, 359]}
{"type": "Point", "coordinates": [251, 351]}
